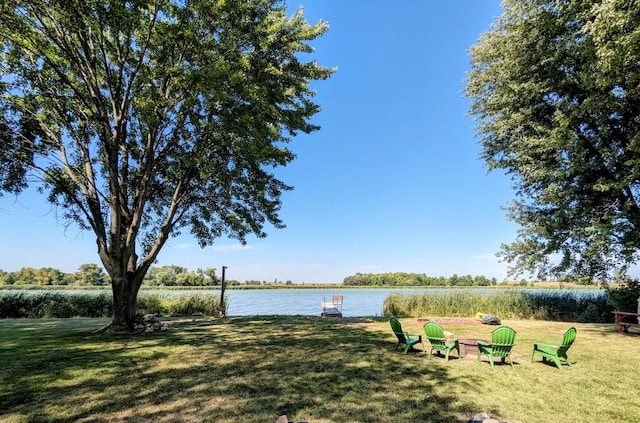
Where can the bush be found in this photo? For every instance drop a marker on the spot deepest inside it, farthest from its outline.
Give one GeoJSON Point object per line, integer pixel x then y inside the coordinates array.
{"type": "Point", "coordinates": [14, 306]}
{"type": "Point", "coordinates": [153, 304]}
{"type": "Point", "coordinates": [625, 297]}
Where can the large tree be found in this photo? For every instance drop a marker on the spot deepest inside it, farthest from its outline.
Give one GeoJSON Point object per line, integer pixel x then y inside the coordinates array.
{"type": "Point", "coordinates": [142, 117]}
{"type": "Point", "coordinates": [555, 89]}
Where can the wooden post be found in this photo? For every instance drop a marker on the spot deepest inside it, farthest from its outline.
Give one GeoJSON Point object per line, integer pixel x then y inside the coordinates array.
{"type": "Point", "coordinates": [223, 285]}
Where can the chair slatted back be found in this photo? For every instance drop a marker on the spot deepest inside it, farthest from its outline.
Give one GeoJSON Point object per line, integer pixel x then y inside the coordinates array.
{"type": "Point", "coordinates": [397, 329]}
{"type": "Point", "coordinates": [502, 340]}
{"type": "Point", "coordinates": [567, 341]}
{"type": "Point", "coordinates": [435, 334]}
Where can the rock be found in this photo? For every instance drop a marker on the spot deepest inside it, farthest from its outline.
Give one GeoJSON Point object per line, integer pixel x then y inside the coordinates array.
{"type": "Point", "coordinates": [486, 418]}
{"type": "Point", "coordinates": [149, 323]}
{"type": "Point", "coordinates": [479, 418]}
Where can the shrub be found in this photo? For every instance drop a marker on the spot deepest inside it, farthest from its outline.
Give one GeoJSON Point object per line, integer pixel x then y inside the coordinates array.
{"type": "Point", "coordinates": [625, 297]}
{"type": "Point", "coordinates": [153, 304]}
{"type": "Point", "coordinates": [14, 306]}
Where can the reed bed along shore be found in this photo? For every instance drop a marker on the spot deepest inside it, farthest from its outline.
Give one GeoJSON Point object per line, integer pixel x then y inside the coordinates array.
{"type": "Point", "coordinates": [60, 305]}
{"type": "Point", "coordinates": [568, 306]}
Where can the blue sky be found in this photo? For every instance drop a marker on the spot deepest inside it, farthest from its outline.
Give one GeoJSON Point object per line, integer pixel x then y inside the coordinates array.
{"type": "Point", "coordinates": [391, 183]}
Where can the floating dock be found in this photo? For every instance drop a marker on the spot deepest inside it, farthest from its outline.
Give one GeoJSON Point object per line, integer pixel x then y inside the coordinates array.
{"type": "Point", "coordinates": [333, 308]}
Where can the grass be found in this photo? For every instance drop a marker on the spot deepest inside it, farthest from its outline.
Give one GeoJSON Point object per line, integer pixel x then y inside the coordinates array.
{"type": "Point", "coordinates": [254, 369]}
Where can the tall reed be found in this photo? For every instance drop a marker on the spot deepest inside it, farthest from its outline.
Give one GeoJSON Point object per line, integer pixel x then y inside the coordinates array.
{"type": "Point", "coordinates": [60, 305]}
{"type": "Point", "coordinates": [541, 305]}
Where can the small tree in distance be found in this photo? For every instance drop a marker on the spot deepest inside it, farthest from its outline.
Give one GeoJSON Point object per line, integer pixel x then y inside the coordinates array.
{"type": "Point", "coordinates": [144, 117]}
{"type": "Point", "coordinates": [90, 274]}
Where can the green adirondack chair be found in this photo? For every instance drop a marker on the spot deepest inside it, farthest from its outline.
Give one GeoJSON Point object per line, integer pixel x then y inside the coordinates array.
{"type": "Point", "coordinates": [502, 340]}
{"type": "Point", "coordinates": [435, 335]}
{"type": "Point", "coordinates": [405, 338]}
{"type": "Point", "coordinates": [555, 350]}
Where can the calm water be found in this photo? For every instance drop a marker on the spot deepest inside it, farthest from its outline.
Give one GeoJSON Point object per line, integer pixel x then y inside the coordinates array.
{"type": "Point", "coordinates": [357, 302]}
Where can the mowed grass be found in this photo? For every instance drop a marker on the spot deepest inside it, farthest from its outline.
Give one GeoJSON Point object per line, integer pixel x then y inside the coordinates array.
{"type": "Point", "coordinates": [254, 369]}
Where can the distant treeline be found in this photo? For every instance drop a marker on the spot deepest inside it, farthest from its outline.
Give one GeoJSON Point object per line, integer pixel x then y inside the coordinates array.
{"type": "Point", "coordinates": [94, 275]}
{"type": "Point", "coordinates": [415, 279]}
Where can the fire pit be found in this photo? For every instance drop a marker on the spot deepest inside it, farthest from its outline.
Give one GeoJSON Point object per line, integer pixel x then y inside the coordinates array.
{"type": "Point", "coordinates": [469, 347]}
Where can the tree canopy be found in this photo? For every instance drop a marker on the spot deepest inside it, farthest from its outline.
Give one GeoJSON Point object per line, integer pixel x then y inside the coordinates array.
{"type": "Point", "coordinates": [415, 279]}
{"type": "Point", "coordinates": [555, 89]}
{"type": "Point", "coordinates": [141, 118]}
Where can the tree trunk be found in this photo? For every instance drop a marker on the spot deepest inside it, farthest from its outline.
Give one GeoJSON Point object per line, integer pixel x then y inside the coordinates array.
{"type": "Point", "coordinates": [125, 295]}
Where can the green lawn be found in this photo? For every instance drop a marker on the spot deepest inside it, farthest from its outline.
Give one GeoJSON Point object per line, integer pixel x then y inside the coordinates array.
{"type": "Point", "coordinates": [253, 369]}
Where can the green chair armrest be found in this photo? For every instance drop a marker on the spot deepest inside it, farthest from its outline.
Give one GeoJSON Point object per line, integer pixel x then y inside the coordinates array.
{"type": "Point", "coordinates": [484, 343]}
{"type": "Point", "coordinates": [547, 344]}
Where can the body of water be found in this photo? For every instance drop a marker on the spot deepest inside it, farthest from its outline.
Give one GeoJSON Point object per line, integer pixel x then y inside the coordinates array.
{"type": "Point", "coordinates": [356, 302]}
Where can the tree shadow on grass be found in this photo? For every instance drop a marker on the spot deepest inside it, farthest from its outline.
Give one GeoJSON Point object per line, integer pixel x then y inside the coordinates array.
{"type": "Point", "coordinates": [249, 369]}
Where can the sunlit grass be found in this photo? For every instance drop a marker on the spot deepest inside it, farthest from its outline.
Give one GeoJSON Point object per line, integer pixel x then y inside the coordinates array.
{"type": "Point", "coordinates": [253, 369]}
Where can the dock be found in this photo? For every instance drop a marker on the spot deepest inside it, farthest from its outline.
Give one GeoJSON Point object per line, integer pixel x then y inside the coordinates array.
{"type": "Point", "coordinates": [333, 308]}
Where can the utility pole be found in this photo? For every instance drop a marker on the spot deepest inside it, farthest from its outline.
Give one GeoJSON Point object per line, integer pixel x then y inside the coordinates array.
{"type": "Point", "coordinates": [223, 285]}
